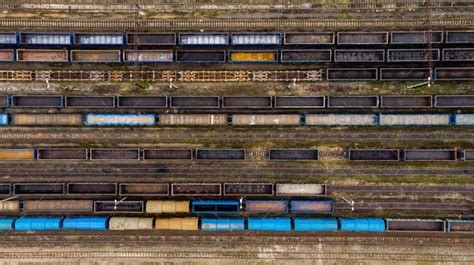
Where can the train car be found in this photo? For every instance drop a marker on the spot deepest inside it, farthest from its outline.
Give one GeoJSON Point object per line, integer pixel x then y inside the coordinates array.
{"type": "Point", "coordinates": [90, 102]}
{"type": "Point", "coordinates": [460, 225]}
{"type": "Point", "coordinates": [454, 73]}
{"type": "Point", "coordinates": [114, 154]}
{"type": "Point", "coordinates": [266, 119]}
{"type": "Point", "coordinates": [415, 225]}
{"type": "Point", "coordinates": [60, 206]}
{"type": "Point", "coordinates": [38, 223]}
{"type": "Point", "coordinates": [416, 37]}
{"type": "Point", "coordinates": [352, 74]}
{"type": "Point", "coordinates": [269, 224]}
{"type": "Point", "coordinates": [266, 206]}
{"type": "Point", "coordinates": [8, 38]}
{"type": "Point", "coordinates": [466, 36]}
{"type": "Point", "coordinates": [252, 56]}
{"type": "Point", "coordinates": [193, 119]}
{"type": "Point", "coordinates": [305, 56]}
{"type": "Point", "coordinates": [144, 189]}
{"type": "Point", "coordinates": [95, 56]}
{"type": "Point", "coordinates": [7, 55]}
{"type": "Point", "coordinates": [215, 207]}
{"type": "Point", "coordinates": [300, 189]}
{"type": "Point", "coordinates": [150, 38]}
{"type": "Point", "coordinates": [130, 223]}
{"type": "Point", "coordinates": [95, 39]}
{"type": "Point", "coordinates": [373, 155]}
{"type": "Point", "coordinates": [7, 223]}
{"type": "Point", "coordinates": [309, 38]}
{"type": "Point", "coordinates": [412, 55]}
{"type": "Point", "coordinates": [362, 38]}
{"type": "Point", "coordinates": [222, 224]}
{"type": "Point", "coordinates": [148, 56]}
{"type": "Point", "coordinates": [326, 207]}
{"type": "Point", "coordinates": [294, 154]}
{"type": "Point", "coordinates": [161, 206]}
{"type": "Point", "coordinates": [200, 56]}
{"type": "Point", "coordinates": [203, 38]}
{"type": "Point", "coordinates": [362, 224]}
{"type": "Point", "coordinates": [17, 154]}
{"type": "Point", "coordinates": [9, 206]}
{"type": "Point", "coordinates": [184, 223]}
{"type": "Point", "coordinates": [37, 101]}
{"type": "Point", "coordinates": [220, 154]}
{"type": "Point", "coordinates": [196, 189]}
{"type": "Point", "coordinates": [458, 55]}
{"type": "Point", "coordinates": [248, 189]}
{"type": "Point", "coordinates": [3, 119]}
{"type": "Point", "coordinates": [62, 154]}
{"type": "Point", "coordinates": [42, 56]}
{"type": "Point", "coordinates": [85, 223]}
{"type": "Point", "coordinates": [341, 119]}
{"type": "Point", "coordinates": [414, 119]}
{"type": "Point", "coordinates": [120, 119]}
{"type": "Point", "coordinates": [46, 38]}
{"type": "Point", "coordinates": [30, 119]}
{"type": "Point", "coordinates": [313, 224]}
{"type": "Point", "coordinates": [255, 38]}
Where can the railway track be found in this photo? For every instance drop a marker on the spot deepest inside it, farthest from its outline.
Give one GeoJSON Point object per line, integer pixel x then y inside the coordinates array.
{"type": "Point", "coordinates": [240, 24]}
{"type": "Point", "coordinates": [401, 190]}
{"type": "Point", "coordinates": [163, 76]}
{"type": "Point", "coordinates": [405, 205]}
{"type": "Point", "coordinates": [130, 135]}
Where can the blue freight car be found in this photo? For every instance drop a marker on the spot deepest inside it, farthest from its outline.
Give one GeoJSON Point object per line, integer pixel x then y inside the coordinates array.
{"type": "Point", "coordinates": [10, 38]}
{"type": "Point", "coordinates": [120, 119]}
{"type": "Point", "coordinates": [99, 39]}
{"type": "Point", "coordinates": [3, 119]}
{"type": "Point", "coordinates": [41, 38]}
{"type": "Point", "coordinates": [362, 224]}
{"type": "Point", "coordinates": [38, 223]}
{"type": "Point", "coordinates": [220, 224]}
{"type": "Point", "coordinates": [213, 207]}
{"type": "Point", "coordinates": [311, 224]}
{"type": "Point", "coordinates": [269, 224]}
{"type": "Point", "coordinates": [86, 223]}
{"type": "Point", "coordinates": [7, 223]}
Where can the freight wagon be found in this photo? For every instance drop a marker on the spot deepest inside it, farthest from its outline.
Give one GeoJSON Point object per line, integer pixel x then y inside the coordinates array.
{"type": "Point", "coordinates": [34, 223]}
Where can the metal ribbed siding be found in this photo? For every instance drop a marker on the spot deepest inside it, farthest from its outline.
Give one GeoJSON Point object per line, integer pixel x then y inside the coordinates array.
{"type": "Point", "coordinates": [187, 223]}
{"type": "Point", "coordinates": [266, 119]}
{"type": "Point", "coordinates": [222, 224]}
{"type": "Point", "coordinates": [341, 119]}
{"type": "Point", "coordinates": [31, 119]}
{"type": "Point", "coordinates": [167, 206]}
{"type": "Point", "coordinates": [8, 38]}
{"type": "Point", "coordinates": [85, 223]}
{"type": "Point", "coordinates": [256, 39]}
{"type": "Point", "coordinates": [38, 223]}
{"type": "Point", "coordinates": [6, 223]}
{"type": "Point", "coordinates": [120, 119]}
{"type": "Point", "coordinates": [414, 119]}
{"type": "Point", "coordinates": [98, 39]}
{"type": "Point", "coordinates": [45, 38]}
{"type": "Point", "coordinates": [3, 119]}
{"type": "Point", "coordinates": [464, 119]}
{"type": "Point", "coordinates": [130, 223]}
{"type": "Point", "coordinates": [362, 224]}
{"type": "Point", "coordinates": [269, 224]}
{"type": "Point", "coordinates": [203, 39]}
{"type": "Point", "coordinates": [309, 224]}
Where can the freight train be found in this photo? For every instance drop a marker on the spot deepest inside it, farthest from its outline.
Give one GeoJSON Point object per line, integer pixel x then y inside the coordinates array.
{"type": "Point", "coordinates": [109, 119]}
{"type": "Point", "coordinates": [33, 223]}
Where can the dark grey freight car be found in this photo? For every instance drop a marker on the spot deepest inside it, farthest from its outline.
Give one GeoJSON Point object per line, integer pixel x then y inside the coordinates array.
{"type": "Point", "coordinates": [294, 154]}
{"type": "Point", "coordinates": [122, 207]}
{"type": "Point", "coordinates": [468, 155]}
{"type": "Point", "coordinates": [430, 154]}
{"type": "Point", "coordinates": [220, 154]}
{"type": "Point", "coordinates": [196, 189]}
{"type": "Point", "coordinates": [301, 56]}
{"type": "Point", "coordinates": [454, 101]}
{"type": "Point", "coordinates": [151, 38]}
{"type": "Point", "coordinates": [38, 188]}
{"type": "Point", "coordinates": [248, 189]}
{"type": "Point", "coordinates": [416, 37]}
{"type": "Point", "coordinates": [37, 101]}
{"type": "Point", "coordinates": [412, 55]}
{"type": "Point", "coordinates": [406, 101]}
{"type": "Point", "coordinates": [374, 155]}
{"type": "Point", "coordinates": [362, 38]}
{"type": "Point", "coordinates": [358, 56]}
{"type": "Point", "coordinates": [460, 226]}
{"type": "Point", "coordinates": [422, 225]}
{"type": "Point", "coordinates": [460, 36]}
{"type": "Point", "coordinates": [353, 101]}
{"type": "Point", "coordinates": [5, 189]}
{"type": "Point", "coordinates": [247, 102]}
{"type": "Point", "coordinates": [194, 102]}
{"type": "Point", "coordinates": [458, 55]}
{"type": "Point", "coordinates": [62, 153]}
{"type": "Point", "coordinates": [3, 101]}
{"type": "Point", "coordinates": [92, 188]}
{"type": "Point", "coordinates": [152, 154]}
{"type": "Point", "coordinates": [401, 74]}
{"type": "Point", "coordinates": [300, 102]}
{"type": "Point", "coordinates": [142, 102]}
{"type": "Point", "coordinates": [309, 38]}
{"type": "Point", "coordinates": [454, 73]}
{"type": "Point", "coordinates": [351, 74]}
{"type": "Point", "coordinates": [193, 56]}
{"type": "Point", "coordinates": [90, 102]}
{"type": "Point", "coordinates": [115, 154]}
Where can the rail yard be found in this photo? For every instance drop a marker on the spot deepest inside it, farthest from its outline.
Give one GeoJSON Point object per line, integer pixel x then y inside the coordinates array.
{"type": "Point", "coordinates": [218, 132]}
